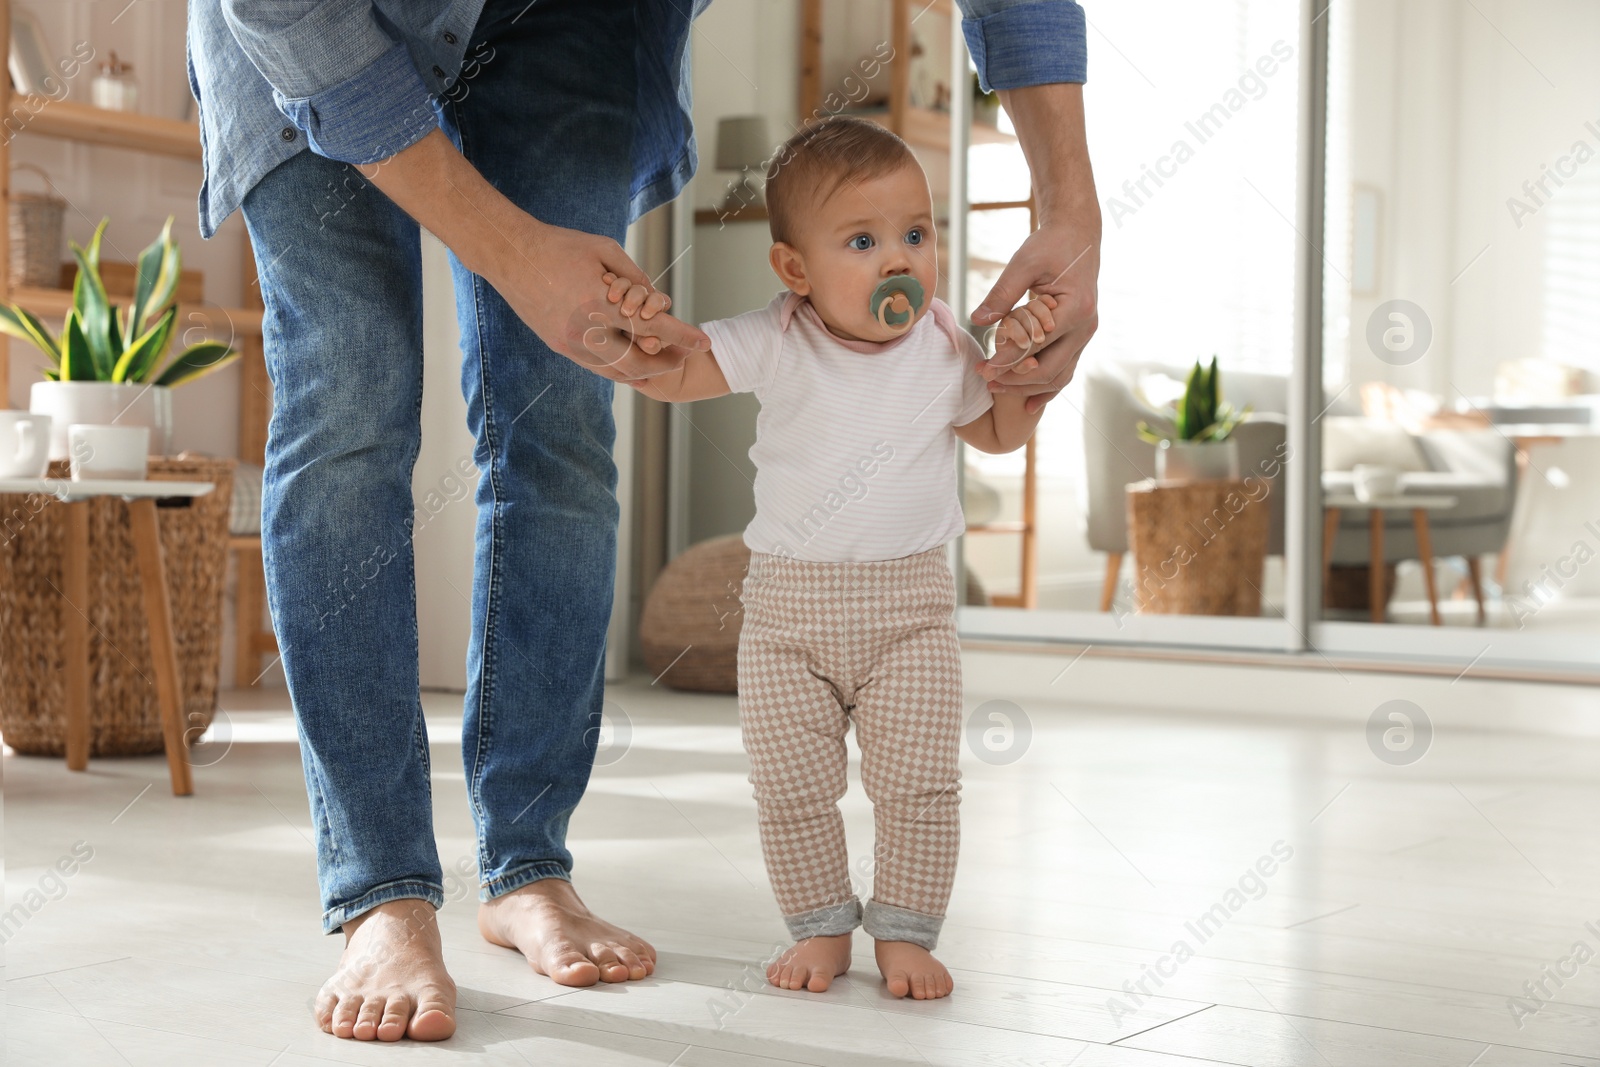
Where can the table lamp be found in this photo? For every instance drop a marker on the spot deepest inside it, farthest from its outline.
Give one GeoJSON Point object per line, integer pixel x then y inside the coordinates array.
{"type": "Point", "coordinates": [743, 145]}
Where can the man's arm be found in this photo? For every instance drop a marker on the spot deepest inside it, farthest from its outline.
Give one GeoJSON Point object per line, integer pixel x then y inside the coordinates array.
{"type": "Point", "coordinates": [337, 74]}
{"type": "Point", "coordinates": [549, 275]}
{"type": "Point", "coordinates": [354, 92]}
{"type": "Point", "coordinates": [1032, 53]}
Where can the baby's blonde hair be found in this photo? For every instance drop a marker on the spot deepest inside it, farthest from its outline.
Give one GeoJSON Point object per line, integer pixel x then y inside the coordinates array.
{"type": "Point", "coordinates": [810, 167]}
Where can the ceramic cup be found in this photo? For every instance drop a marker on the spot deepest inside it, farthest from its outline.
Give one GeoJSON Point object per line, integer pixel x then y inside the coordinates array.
{"type": "Point", "coordinates": [101, 453]}
{"type": "Point", "coordinates": [24, 444]}
{"type": "Point", "coordinates": [1375, 481]}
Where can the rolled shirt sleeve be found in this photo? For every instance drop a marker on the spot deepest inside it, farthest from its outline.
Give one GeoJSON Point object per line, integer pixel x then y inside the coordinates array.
{"type": "Point", "coordinates": [335, 73]}
{"type": "Point", "coordinates": [1018, 43]}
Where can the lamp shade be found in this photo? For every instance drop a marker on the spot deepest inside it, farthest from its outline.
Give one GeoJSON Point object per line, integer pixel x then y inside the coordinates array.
{"type": "Point", "coordinates": [742, 142]}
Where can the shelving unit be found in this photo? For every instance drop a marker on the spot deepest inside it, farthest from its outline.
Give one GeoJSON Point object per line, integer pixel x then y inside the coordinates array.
{"type": "Point", "coordinates": [118, 129]}
{"type": "Point", "coordinates": [131, 131]}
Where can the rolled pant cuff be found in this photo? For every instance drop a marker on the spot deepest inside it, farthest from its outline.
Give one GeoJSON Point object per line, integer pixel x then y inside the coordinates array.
{"type": "Point", "coordinates": [521, 876]}
{"type": "Point", "coordinates": [334, 918]}
{"type": "Point", "coordinates": [829, 921]}
{"type": "Point", "coordinates": [885, 922]}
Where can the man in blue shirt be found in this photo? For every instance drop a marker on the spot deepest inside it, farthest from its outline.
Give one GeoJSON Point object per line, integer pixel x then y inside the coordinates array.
{"type": "Point", "coordinates": [527, 135]}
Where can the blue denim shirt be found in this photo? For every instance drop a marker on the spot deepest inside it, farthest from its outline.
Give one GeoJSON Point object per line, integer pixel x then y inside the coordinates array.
{"type": "Point", "coordinates": [359, 80]}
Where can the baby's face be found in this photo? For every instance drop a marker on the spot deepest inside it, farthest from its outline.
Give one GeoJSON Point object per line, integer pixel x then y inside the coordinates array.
{"type": "Point", "coordinates": [865, 232]}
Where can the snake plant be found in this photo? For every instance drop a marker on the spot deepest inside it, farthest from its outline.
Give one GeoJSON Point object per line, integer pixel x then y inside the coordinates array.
{"type": "Point", "coordinates": [101, 342]}
{"type": "Point", "coordinates": [1200, 415]}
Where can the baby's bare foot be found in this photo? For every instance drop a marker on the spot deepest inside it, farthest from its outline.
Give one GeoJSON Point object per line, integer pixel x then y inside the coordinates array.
{"type": "Point", "coordinates": [562, 938]}
{"type": "Point", "coordinates": [811, 964]}
{"type": "Point", "coordinates": [391, 982]}
{"type": "Point", "coordinates": [911, 970]}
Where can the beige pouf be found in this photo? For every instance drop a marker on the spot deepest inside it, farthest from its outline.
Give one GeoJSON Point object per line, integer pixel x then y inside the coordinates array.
{"type": "Point", "coordinates": [689, 630]}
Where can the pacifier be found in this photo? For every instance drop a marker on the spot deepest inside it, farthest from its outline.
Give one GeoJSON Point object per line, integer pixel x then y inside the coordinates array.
{"type": "Point", "coordinates": [896, 289]}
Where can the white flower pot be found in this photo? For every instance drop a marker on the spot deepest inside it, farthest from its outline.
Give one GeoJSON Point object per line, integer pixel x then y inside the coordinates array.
{"type": "Point", "coordinates": [1197, 461]}
{"type": "Point", "coordinates": [104, 404]}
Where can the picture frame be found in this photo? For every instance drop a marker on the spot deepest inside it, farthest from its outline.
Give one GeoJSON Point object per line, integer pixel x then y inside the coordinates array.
{"type": "Point", "coordinates": [29, 58]}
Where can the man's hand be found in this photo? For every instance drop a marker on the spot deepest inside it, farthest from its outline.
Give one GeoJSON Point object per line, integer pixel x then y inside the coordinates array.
{"type": "Point", "coordinates": [1061, 258]}
{"type": "Point", "coordinates": [546, 273]}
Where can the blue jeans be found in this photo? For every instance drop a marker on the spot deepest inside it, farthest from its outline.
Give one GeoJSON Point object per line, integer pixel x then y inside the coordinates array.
{"type": "Point", "coordinates": [544, 109]}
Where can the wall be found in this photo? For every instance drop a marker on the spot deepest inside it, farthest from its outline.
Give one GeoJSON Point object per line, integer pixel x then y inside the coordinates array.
{"type": "Point", "coordinates": [1451, 107]}
{"type": "Point", "coordinates": [746, 61]}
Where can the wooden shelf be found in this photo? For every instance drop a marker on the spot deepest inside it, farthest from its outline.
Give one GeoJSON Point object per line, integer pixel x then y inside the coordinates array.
{"type": "Point", "coordinates": [927, 128]}
{"type": "Point", "coordinates": [52, 304]}
{"type": "Point", "coordinates": [117, 129]}
{"type": "Point", "coordinates": [747, 213]}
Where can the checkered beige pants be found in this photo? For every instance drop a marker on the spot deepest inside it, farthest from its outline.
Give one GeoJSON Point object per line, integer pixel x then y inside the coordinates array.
{"type": "Point", "coordinates": [824, 645]}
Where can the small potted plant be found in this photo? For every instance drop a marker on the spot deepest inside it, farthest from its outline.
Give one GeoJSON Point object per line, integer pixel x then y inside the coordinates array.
{"type": "Point", "coordinates": [1199, 446]}
{"type": "Point", "coordinates": [109, 363]}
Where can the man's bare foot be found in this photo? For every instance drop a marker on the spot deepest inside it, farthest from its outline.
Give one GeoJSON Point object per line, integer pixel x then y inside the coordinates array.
{"type": "Point", "coordinates": [911, 969]}
{"type": "Point", "coordinates": [391, 982]}
{"type": "Point", "coordinates": [547, 923]}
{"type": "Point", "coordinates": [811, 964]}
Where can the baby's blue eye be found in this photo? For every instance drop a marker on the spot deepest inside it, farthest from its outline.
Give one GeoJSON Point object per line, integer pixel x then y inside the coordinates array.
{"type": "Point", "coordinates": [861, 237]}
{"type": "Point", "coordinates": [915, 236]}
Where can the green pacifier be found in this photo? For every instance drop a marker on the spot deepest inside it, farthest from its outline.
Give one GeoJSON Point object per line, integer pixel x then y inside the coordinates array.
{"type": "Point", "coordinates": [883, 296]}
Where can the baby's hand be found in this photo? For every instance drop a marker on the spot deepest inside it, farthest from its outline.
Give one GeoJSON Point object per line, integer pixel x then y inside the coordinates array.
{"type": "Point", "coordinates": [634, 297]}
{"type": "Point", "coordinates": [1023, 329]}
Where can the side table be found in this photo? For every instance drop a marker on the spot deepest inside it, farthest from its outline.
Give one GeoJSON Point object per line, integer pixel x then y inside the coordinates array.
{"type": "Point", "coordinates": [1335, 504]}
{"type": "Point", "coordinates": [140, 498]}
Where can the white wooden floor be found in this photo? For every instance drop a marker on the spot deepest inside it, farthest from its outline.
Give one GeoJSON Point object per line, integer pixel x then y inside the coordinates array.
{"type": "Point", "coordinates": [1416, 900]}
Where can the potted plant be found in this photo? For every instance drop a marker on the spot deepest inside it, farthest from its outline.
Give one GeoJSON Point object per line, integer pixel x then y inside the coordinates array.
{"type": "Point", "coordinates": [109, 363]}
{"type": "Point", "coordinates": [1199, 445]}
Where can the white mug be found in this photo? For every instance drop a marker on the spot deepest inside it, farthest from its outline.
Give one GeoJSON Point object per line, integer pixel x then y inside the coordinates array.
{"type": "Point", "coordinates": [1375, 481]}
{"type": "Point", "coordinates": [24, 444]}
{"type": "Point", "coordinates": [108, 452]}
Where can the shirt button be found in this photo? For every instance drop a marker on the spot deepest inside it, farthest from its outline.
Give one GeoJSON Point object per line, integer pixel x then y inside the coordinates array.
{"type": "Point", "coordinates": [437, 72]}
{"type": "Point", "coordinates": [449, 38]}
{"type": "Point", "coordinates": [287, 133]}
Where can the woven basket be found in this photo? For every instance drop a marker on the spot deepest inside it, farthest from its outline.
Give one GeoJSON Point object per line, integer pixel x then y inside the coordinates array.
{"type": "Point", "coordinates": [1199, 548]}
{"type": "Point", "coordinates": [124, 718]}
{"type": "Point", "coordinates": [35, 221]}
{"type": "Point", "coordinates": [689, 628]}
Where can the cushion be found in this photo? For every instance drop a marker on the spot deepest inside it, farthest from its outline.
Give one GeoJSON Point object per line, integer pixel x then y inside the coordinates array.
{"type": "Point", "coordinates": [1348, 440]}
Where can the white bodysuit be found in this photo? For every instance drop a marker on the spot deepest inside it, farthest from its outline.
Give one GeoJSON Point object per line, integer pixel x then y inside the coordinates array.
{"type": "Point", "coordinates": [855, 449]}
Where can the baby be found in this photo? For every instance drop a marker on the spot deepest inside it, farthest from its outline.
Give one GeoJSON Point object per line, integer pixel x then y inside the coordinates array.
{"type": "Point", "coordinates": [849, 602]}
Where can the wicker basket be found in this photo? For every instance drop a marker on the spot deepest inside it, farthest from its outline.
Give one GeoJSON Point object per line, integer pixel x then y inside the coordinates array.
{"type": "Point", "coordinates": [1199, 548]}
{"type": "Point", "coordinates": [689, 629]}
{"type": "Point", "coordinates": [124, 719]}
{"type": "Point", "coordinates": [35, 220]}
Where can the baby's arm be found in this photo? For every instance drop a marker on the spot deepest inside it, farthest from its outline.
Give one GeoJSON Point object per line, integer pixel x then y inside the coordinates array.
{"type": "Point", "coordinates": [697, 378]}
{"type": "Point", "coordinates": [1007, 425]}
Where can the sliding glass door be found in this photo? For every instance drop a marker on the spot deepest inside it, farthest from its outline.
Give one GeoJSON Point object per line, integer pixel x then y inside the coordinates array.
{"type": "Point", "coordinates": [1461, 344]}
{"type": "Point", "coordinates": [1198, 126]}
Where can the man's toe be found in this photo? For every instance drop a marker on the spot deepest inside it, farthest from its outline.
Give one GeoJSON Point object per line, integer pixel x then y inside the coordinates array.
{"type": "Point", "coordinates": [367, 1019]}
{"type": "Point", "coordinates": [611, 968]}
{"type": "Point", "coordinates": [567, 966]}
{"type": "Point", "coordinates": [631, 961]}
{"type": "Point", "coordinates": [396, 1014]}
{"type": "Point", "coordinates": [344, 1015]}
